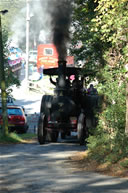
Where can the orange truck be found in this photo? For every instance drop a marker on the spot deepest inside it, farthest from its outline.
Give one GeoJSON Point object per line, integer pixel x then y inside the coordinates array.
{"type": "Point", "coordinates": [47, 57]}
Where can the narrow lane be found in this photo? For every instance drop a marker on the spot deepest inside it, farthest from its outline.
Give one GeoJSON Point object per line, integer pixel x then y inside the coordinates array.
{"type": "Point", "coordinates": [31, 168]}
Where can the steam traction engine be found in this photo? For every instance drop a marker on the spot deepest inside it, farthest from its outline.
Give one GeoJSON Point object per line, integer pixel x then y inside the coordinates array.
{"type": "Point", "coordinates": [65, 110]}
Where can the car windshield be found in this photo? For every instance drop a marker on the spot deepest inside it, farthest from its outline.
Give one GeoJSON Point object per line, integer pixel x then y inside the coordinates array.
{"type": "Point", "coordinates": [14, 111]}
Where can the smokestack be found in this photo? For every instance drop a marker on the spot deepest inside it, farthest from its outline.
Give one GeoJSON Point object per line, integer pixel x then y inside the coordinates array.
{"type": "Point", "coordinates": [62, 73]}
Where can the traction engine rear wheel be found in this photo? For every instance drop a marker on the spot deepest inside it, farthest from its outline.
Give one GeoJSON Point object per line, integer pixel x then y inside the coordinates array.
{"type": "Point", "coordinates": [81, 128]}
{"type": "Point", "coordinates": [45, 104]}
{"type": "Point", "coordinates": [42, 132]}
{"type": "Point", "coordinates": [52, 136]}
{"type": "Point", "coordinates": [63, 135]}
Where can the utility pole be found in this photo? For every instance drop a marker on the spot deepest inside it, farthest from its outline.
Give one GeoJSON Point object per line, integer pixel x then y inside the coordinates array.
{"type": "Point", "coordinates": [27, 40]}
{"type": "Point", "coordinates": [2, 83]}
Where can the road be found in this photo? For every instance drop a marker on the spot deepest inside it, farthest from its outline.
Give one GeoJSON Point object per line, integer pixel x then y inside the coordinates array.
{"type": "Point", "coordinates": [32, 168]}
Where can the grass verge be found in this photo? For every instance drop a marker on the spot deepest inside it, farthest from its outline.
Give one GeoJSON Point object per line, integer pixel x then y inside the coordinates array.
{"type": "Point", "coordinates": [14, 138]}
{"type": "Point", "coordinates": [81, 162]}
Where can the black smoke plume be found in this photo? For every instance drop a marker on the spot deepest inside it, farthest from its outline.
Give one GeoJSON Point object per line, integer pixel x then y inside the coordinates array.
{"type": "Point", "coordinates": [60, 20]}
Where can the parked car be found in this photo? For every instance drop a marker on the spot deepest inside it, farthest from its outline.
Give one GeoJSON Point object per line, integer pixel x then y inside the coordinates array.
{"type": "Point", "coordinates": [17, 119]}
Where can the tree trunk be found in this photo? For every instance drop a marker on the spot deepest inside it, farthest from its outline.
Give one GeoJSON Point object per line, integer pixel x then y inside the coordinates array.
{"type": "Point", "coordinates": [3, 86]}
{"type": "Point", "coordinates": [126, 123]}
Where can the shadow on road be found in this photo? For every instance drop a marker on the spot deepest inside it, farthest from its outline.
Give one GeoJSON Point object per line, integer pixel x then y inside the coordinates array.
{"type": "Point", "coordinates": [34, 168]}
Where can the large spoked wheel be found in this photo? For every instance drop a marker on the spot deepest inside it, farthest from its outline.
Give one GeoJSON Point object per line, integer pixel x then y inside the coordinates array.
{"type": "Point", "coordinates": [42, 132]}
{"type": "Point", "coordinates": [53, 136]}
{"type": "Point", "coordinates": [46, 104]}
{"type": "Point", "coordinates": [81, 129]}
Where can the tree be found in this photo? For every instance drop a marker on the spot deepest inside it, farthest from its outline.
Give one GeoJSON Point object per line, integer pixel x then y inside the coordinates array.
{"type": "Point", "coordinates": [101, 26]}
{"type": "Point", "coordinates": [4, 68]}
{"type": "Point", "coordinates": [91, 49]}
{"type": "Point", "coordinates": [112, 20]}
{"type": "Point", "coordinates": [2, 83]}
{"type": "Point", "coordinates": [14, 7]}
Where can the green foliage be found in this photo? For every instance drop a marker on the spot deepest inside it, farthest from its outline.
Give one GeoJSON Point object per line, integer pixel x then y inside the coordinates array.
{"type": "Point", "coordinates": [124, 163]}
{"type": "Point", "coordinates": [27, 136]}
{"type": "Point", "coordinates": [10, 138]}
{"type": "Point", "coordinates": [104, 147]}
{"type": "Point", "coordinates": [11, 79]}
{"type": "Point", "coordinates": [109, 143]}
{"type": "Point", "coordinates": [6, 20]}
{"type": "Point", "coordinates": [91, 49]}
{"type": "Point", "coordinates": [16, 138]}
{"type": "Point", "coordinates": [111, 22]}
{"type": "Point", "coordinates": [101, 27]}
{"type": "Point", "coordinates": [13, 8]}
{"type": "Point", "coordinates": [99, 146]}
{"type": "Point", "coordinates": [113, 88]}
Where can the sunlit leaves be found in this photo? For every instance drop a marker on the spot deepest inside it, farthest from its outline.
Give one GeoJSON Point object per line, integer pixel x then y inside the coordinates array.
{"type": "Point", "coordinates": [112, 19]}
{"type": "Point", "coordinates": [91, 50]}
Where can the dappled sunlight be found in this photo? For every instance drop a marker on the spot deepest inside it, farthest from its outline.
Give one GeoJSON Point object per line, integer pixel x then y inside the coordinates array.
{"type": "Point", "coordinates": [7, 156]}
{"type": "Point", "coordinates": [37, 169]}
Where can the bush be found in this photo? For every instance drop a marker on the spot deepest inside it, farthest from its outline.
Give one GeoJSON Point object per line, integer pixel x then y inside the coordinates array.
{"type": "Point", "coordinates": [109, 142]}
{"type": "Point", "coordinates": [124, 163]}
{"type": "Point", "coordinates": [99, 147]}
{"type": "Point", "coordinates": [104, 148]}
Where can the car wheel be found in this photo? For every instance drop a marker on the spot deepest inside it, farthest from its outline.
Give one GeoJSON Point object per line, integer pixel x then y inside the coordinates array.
{"type": "Point", "coordinates": [41, 130]}
{"type": "Point", "coordinates": [81, 128]}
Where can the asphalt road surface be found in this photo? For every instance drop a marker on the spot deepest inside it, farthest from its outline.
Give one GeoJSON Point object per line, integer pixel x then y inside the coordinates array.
{"type": "Point", "coordinates": [32, 168]}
